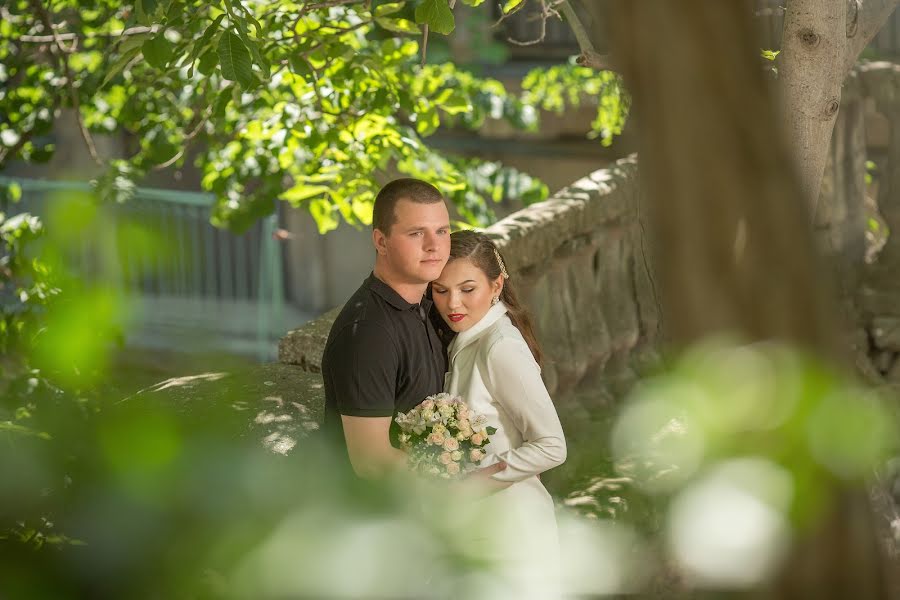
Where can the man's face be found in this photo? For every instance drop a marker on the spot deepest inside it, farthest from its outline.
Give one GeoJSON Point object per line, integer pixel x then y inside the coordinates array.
{"type": "Point", "coordinates": [418, 244]}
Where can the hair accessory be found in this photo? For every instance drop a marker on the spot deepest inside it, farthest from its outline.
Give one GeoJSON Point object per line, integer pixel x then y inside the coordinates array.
{"type": "Point", "coordinates": [500, 262]}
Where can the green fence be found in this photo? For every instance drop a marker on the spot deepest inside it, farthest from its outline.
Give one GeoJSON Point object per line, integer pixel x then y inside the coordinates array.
{"type": "Point", "coordinates": [201, 286]}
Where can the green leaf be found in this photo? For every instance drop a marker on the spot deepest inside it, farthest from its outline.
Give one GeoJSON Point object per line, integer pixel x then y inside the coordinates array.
{"type": "Point", "coordinates": [222, 102]}
{"type": "Point", "coordinates": [146, 10]}
{"type": "Point", "coordinates": [300, 67]}
{"type": "Point", "coordinates": [472, 2]}
{"type": "Point", "coordinates": [207, 37]}
{"type": "Point", "coordinates": [437, 15]}
{"type": "Point", "coordinates": [303, 191]}
{"type": "Point", "coordinates": [13, 192]}
{"type": "Point", "coordinates": [157, 51]}
{"type": "Point", "coordinates": [208, 62]}
{"type": "Point", "coordinates": [134, 41]}
{"type": "Point", "coordinates": [770, 54]}
{"type": "Point", "coordinates": [252, 46]}
{"type": "Point", "coordinates": [321, 211]}
{"type": "Point", "coordinates": [120, 64]}
{"type": "Point", "coordinates": [453, 102]}
{"type": "Point", "coordinates": [388, 9]}
{"type": "Point", "coordinates": [235, 59]}
{"type": "Point", "coordinates": [511, 5]}
{"type": "Point", "coordinates": [399, 25]}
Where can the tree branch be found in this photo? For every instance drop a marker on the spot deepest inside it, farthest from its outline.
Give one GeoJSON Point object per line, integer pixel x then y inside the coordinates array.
{"type": "Point", "coordinates": [870, 16]}
{"type": "Point", "coordinates": [63, 58]}
{"type": "Point", "coordinates": [44, 39]}
{"type": "Point", "coordinates": [589, 55]}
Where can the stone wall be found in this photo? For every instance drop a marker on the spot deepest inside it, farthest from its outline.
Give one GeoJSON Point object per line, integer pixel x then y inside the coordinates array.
{"type": "Point", "coordinates": [578, 262]}
{"type": "Point", "coordinates": [879, 291]}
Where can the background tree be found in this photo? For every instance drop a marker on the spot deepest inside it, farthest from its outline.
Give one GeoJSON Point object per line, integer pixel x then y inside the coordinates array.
{"type": "Point", "coordinates": [733, 242]}
{"type": "Point", "coordinates": [308, 102]}
{"type": "Point", "coordinates": [821, 43]}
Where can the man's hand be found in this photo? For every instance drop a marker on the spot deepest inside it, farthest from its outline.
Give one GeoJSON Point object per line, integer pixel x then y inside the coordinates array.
{"type": "Point", "coordinates": [369, 446]}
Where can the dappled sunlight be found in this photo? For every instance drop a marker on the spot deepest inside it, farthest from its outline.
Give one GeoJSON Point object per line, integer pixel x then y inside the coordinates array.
{"type": "Point", "coordinates": [185, 381]}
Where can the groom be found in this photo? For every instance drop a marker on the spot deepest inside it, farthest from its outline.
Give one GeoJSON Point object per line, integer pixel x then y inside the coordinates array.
{"type": "Point", "coordinates": [383, 355]}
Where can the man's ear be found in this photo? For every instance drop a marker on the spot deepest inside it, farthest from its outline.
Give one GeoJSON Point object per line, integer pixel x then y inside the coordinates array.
{"type": "Point", "coordinates": [379, 240]}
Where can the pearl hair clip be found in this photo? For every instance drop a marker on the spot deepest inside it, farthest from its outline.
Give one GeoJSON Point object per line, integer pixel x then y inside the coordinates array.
{"type": "Point", "coordinates": [502, 266]}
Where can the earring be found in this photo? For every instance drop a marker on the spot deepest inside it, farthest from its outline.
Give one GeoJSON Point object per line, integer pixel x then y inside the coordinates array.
{"type": "Point", "coordinates": [495, 300]}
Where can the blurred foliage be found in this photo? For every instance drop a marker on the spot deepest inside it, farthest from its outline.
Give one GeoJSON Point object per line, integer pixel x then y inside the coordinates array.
{"type": "Point", "coordinates": [307, 102]}
{"type": "Point", "coordinates": [728, 454]}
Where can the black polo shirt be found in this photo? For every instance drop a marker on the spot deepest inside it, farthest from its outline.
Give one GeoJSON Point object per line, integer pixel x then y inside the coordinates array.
{"type": "Point", "coordinates": [383, 356]}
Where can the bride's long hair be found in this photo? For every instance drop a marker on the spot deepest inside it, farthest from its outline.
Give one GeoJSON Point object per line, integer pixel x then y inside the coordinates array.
{"type": "Point", "coordinates": [484, 254]}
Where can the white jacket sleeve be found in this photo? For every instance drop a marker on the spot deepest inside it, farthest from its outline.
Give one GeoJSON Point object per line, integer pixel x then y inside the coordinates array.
{"type": "Point", "coordinates": [514, 381]}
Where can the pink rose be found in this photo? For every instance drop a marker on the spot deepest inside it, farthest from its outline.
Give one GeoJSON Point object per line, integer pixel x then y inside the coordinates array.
{"type": "Point", "coordinates": [464, 424]}
{"type": "Point", "coordinates": [453, 468]}
{"type": "Point", "coordinates": [427, 404]}
{"type": "Point", "coordinates": [436, 438]}
{"type": "Point", "coordinates": [451, 444]}
{"type": "Point", "coordinates": [445, 458]}
{"type": "Point", "coordinates": [476, 455]}
{"type": "Point", "coordinates": [477, 439]}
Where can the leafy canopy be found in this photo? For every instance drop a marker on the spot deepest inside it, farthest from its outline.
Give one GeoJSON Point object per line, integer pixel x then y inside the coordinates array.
{"type": "Point", "coordinates": [313, 103]}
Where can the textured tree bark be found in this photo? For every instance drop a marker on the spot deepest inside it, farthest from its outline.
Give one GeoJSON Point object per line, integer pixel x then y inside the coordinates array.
{"type": "Point", "coordinates": [813, 47]}
{"type": "Point", "coordinates": [864, 19]}
{"type": "Point", "coordinates": [821, 42]}
{"type": "Point", "coordinates": [734, 250]}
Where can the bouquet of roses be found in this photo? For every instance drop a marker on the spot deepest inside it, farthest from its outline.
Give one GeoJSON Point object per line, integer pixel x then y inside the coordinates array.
{"type": "Point", "coordinates": [443, 437]}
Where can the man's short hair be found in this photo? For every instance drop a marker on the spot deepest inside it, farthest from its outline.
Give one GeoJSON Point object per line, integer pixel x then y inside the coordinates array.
{"type": "Point", "coordinates": [406, 188]}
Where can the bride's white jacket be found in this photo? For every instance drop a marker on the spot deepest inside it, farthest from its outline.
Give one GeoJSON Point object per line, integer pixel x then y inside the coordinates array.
{"type": "Point", "coordinates": [492, 368]}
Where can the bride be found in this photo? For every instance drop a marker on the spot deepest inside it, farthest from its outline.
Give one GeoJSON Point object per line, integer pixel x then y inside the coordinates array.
{"type": "Point", "coordinates": [495, 366]}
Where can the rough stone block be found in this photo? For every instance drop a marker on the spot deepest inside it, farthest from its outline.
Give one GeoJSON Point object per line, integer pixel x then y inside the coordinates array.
{"type": "Point", "coordinates": [886, 333]}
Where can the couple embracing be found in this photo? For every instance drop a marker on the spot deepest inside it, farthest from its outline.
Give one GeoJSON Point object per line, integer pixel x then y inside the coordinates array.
{"type": "Point", "coordinates": [387, 351]}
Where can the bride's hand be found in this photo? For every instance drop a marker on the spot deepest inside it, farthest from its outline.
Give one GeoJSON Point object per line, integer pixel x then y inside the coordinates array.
{"type": "Point", "coordinates": [485, 472]}
{"type": "Point", "coordinates": [480, 479]}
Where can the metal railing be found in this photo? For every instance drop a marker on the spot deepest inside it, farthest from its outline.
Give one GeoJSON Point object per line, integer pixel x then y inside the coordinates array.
{"type": "Point", "coordinates": [189, 278]}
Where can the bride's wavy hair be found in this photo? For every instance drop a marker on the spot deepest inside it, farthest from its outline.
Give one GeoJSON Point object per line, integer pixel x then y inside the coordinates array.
{"type": "Point", "coordinates": [484, 254]}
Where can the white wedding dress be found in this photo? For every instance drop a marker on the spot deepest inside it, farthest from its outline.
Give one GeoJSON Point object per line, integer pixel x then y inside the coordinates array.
{"type": "Point", "coordinates": [493, 370]}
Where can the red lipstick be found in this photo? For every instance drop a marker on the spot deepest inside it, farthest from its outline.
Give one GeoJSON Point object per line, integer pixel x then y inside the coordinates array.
{"type": "Point", "coordinates": [456, 317]}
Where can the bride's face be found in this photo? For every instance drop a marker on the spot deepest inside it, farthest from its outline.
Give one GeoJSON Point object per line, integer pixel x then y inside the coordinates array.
{"type": "Point", "coordinates": [463, 294]}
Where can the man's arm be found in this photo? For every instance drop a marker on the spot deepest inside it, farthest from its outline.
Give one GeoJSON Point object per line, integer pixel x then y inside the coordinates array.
{"type": "Point", "coordinates": [369, 446]}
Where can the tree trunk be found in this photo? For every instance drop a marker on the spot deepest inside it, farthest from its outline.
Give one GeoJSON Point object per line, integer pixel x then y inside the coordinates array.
{"type": "Point", "coordinates": [821, 42]}
{"type": "Point", "coordinates": [734, 250]}
{"type": "Point", "coordinates": [811, 72]}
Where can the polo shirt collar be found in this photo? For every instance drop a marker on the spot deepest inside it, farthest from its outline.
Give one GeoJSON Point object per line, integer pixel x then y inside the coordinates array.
{"type": "Point", "coordinates": [389, 295]}
{"type": "Point", "coordinates": [494, 314]}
